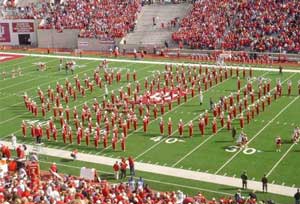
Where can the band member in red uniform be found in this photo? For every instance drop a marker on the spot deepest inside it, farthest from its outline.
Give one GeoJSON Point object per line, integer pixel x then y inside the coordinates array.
{"type": "Point", "coordinates": [79, 135]}
{"type": "Point", "coordinates": [54, 133]}
{"type": "Point", "coordinates": [155, 110]}
{"type": "Point", "coordinates": [180, 128]}
{"type": "Point", "coordinates": [278, 142]}
{"type": "Point", "coordinates": [125, 128]}
{"type": "Point", "coordinates": [214, 126]}
{"type": "Point", "coordinates": [169, 127]}
{"type": "Point", "coordinates": [70, 135]}
{"type": "Point", "coordinates": [162, 108]}
{"type": "Point", "coordinates": [222, 119]}
{"type": "Point", "coordinates": [206, 118]}
{"type": "Point", "coordinates": [248, 115]}
{"type": "Point", "coordinates": [242, 121]}
{"type": "Point", "coordinates": [238, 83]}
{"type": "Point", "coordinates": [201, 124]}
{"type": "Point", "coordinates": [123, 143]}
{"type": "Point", "coordinates": [299, 87]}
{"type": "Point", "coordinates": [24, 128]}
{"type": "Point", "coordinates": [191, 129]}
{"type": "Point", "coordinates": [114, 143]}
{"type": "Point", "coordinates": [145, 123]}
{"type": "Point", "coordinates": [105, 140]}
{"type": "Point", "coordinates": [96, 139]}
{"type": "Point", "coordinates": [161, 126]}
{"type": "Point", "coordinates": [87, 136]}
{"type": "Point", "coordinates": [228, 123]}
{"type": "Point", "coordinates": [289, 84]}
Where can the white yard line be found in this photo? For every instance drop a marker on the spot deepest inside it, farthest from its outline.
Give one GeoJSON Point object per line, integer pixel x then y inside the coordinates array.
{"type": "Point", "coordinates": [149, 62]}
{"type": "Point", "coordinates": [278, 162]}
{"type": "Point", "coordinates": [231, 158]}
{"type": "Point", "coordinates": [202, 143]}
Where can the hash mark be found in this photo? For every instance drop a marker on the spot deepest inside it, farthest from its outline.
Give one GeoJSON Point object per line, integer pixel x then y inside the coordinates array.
{"type": "Point", "coordinates": [273, 182]}
{"type": "Point", "coordinates": [190, 168]}
{"type": "Point", "coordinates": [224, 174]}
{"type": "Point", "coordinates": [283, 184]}
{"type": "Point", "coordinates": [234, 175]}
{"type": "Point", "coordinates": [181, 167]}
{"type": "Point", "coordinates": [198, 169]}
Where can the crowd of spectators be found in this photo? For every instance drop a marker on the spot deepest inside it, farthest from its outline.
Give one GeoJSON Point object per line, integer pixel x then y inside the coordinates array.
{"type": "Point", "coordinates": [265, 25]}
{"type": "Point", "coordinates": [95, 19]}
{"type": "Point", "coordinates": [255, 25]}
{"type": "Point", "coordinates": [205, 25]}
{"type": "Point", "coordinates": [26, 184]}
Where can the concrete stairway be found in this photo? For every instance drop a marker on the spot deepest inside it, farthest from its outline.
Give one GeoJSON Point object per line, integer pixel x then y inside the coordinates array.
{"type": "Point", "coordinates": [147, 35]}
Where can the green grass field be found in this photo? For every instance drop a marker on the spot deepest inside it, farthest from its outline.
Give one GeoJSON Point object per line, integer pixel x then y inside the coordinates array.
{"type": "Point", "coordinates": [205, 154]}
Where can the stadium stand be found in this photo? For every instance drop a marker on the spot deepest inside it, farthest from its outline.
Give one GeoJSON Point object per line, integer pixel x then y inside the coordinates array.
{"type": "Point", "coordinates": [27, 184]}
{"type": "Point", "coordinates": [248, 25]}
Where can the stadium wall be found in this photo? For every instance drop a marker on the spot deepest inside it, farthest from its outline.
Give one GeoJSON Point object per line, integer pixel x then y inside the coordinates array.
{"type": "Point", "coordinates": [51, 38]}
{"type": "Point", "coordinates": [18, 32]}
{"type": "Point", "coordinates": [92, 44]}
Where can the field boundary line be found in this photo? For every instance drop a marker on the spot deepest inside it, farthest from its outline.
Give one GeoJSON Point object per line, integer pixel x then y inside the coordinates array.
{"type": "Point", "coordinates": [278, 162]}
{"type": "Point", "coordinates": [150, 62]}
{"type": "Point", "coordinates": [280, 112]}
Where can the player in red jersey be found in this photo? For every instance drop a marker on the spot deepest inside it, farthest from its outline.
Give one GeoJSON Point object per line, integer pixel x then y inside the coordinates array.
{"type": "Point", "coordinates": [278, 142]}
{"type": "Point", "coordinates": [180, 128]}
{"type": "Point", "coordinates": [169, 127]}
{"type": "Point", "coordinates": [161, 126]}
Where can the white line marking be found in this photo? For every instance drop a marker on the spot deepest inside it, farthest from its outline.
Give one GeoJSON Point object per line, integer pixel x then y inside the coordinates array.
{"type": "Point", "coordinates": [147, 62]}
{"type": "Point", "coordinates": [229, 160]}
{"type": "Point", "coordinates": [277, 163]}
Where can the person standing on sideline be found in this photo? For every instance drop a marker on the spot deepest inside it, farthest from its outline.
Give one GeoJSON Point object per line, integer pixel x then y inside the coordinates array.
{"type": "Point", "coordinates": [244, 178]}
{"type": "Point", "coordinates": [297, 197]}
{"type": "Point", "coordinates": [131, 166]}
{"type": "Point", "coordinates": [200, 97]}
{"type": "Point", "coordinates": [233, 133]}
{"type": "Point", "coordinates": [264, 181]}
{"type": "Point", "coordinates": [13, 141]}
{"type": "Point", "coordinates": [123, 167]}
{"type": "Point", "coordinates": [116, 168]}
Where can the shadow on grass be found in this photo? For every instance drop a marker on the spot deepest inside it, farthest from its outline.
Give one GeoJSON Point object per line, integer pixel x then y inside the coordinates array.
{"type": "Point", "coordinates": [64, 160]}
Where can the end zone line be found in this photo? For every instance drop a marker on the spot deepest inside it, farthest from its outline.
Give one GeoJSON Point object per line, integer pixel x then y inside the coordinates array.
{"type": "Point", "coordinates": [283, 156]}
{"type": "Point", "coordinates": [229, 160]}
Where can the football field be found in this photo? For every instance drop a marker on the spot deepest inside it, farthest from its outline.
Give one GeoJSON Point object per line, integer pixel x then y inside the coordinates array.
{"type": "Point", "coordinates": [214, 153]}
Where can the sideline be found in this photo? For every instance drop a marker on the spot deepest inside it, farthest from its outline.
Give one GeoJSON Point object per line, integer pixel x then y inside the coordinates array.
{"type": "Point", "coordinates": [147, 62]}
{"type": "Point", "coordinates": [168, 171]}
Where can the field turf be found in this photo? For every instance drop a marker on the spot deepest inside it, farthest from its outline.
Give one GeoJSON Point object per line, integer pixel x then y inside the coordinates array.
{"type": "Point", "coordinates": [205, 154]}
